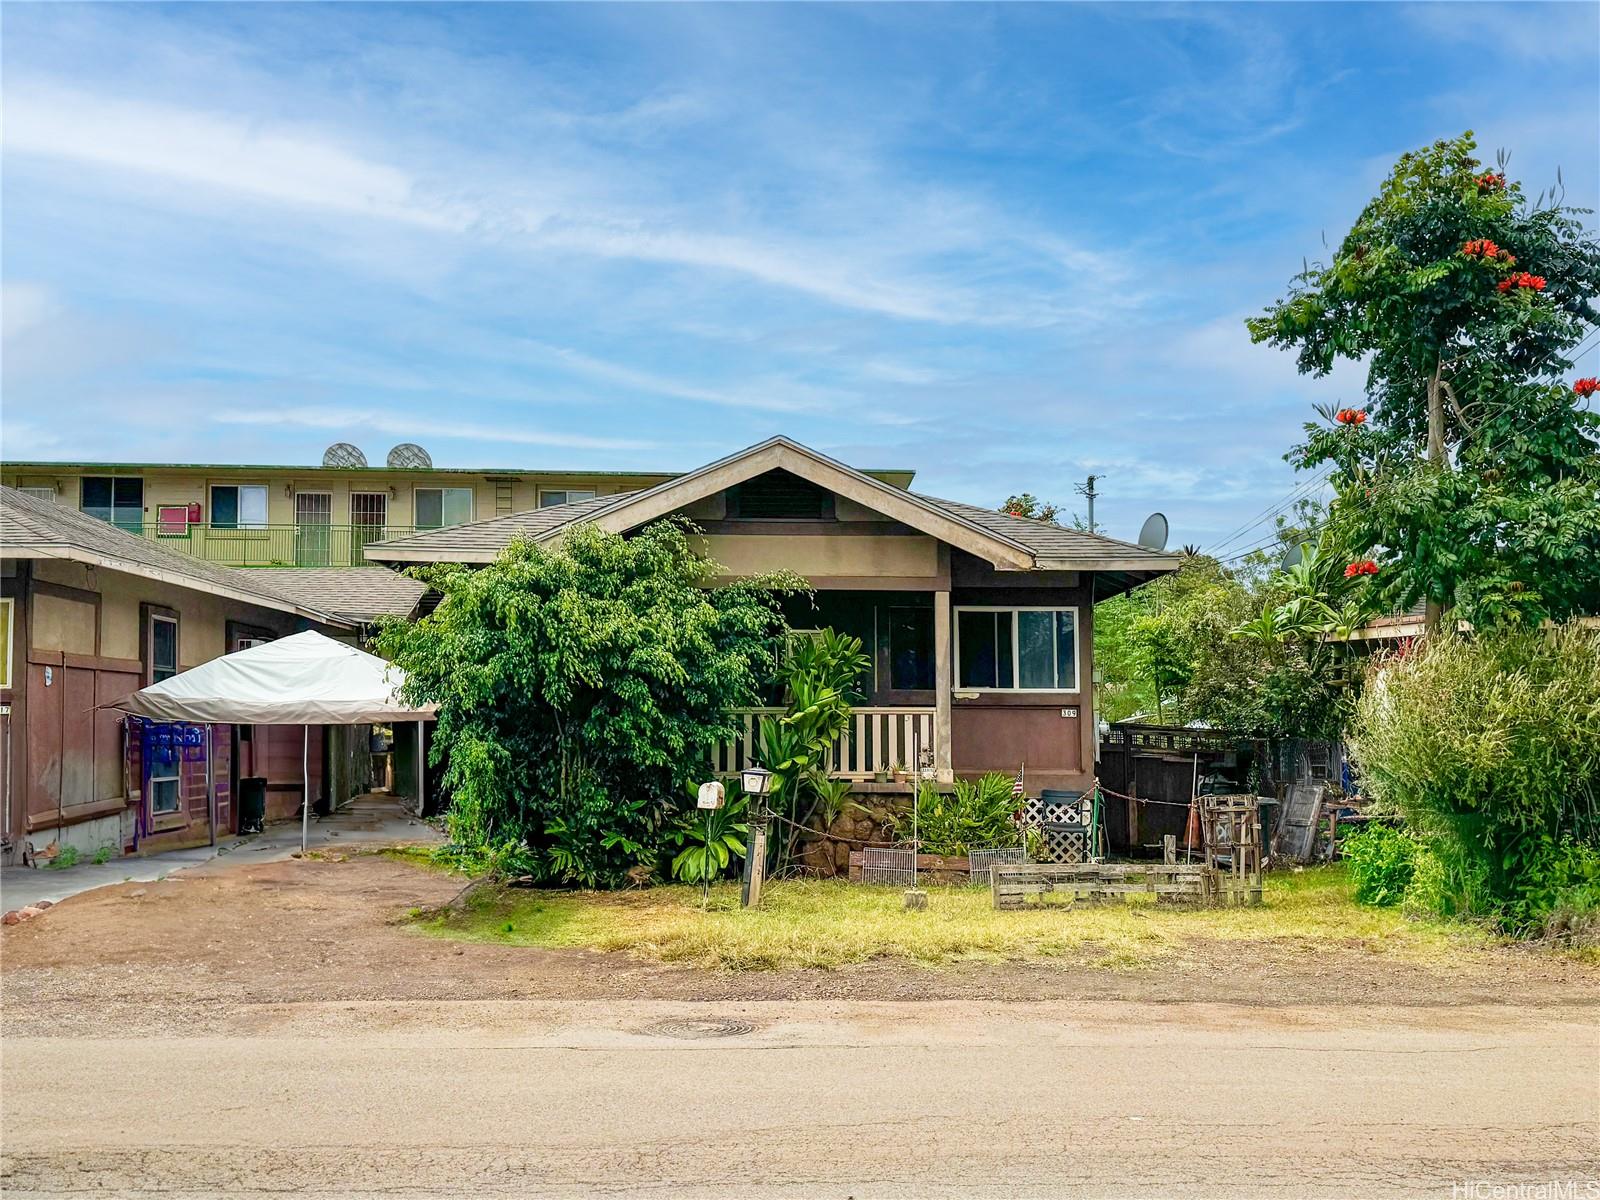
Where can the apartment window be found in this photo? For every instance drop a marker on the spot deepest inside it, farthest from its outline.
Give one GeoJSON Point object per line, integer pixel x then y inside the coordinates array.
{"type": "Point", "coordinates": [438, 507]}
{"type": "Point", "coordinates": [1017, 649]}
{"type": "Point", "coordinates": [549, 498]}
{"type": "Point", "coordinates": [161, 645]}
{"type": "Point", "coordinates": [118, 499]}
{"type": "Point", "coordinates": [239, 506]}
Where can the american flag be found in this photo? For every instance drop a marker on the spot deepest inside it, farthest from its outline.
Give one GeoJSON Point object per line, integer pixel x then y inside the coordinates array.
{"type": "Point", "coordinates": [1018, 790]}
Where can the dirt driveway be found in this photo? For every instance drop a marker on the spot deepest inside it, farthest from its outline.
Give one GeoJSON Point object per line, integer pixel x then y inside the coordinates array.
{"type": "Point", "coordinates": [275, 1028]}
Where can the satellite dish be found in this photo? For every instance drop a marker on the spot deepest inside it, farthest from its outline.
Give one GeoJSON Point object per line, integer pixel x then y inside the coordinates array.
{"type": "Point", "coordinates": [343, 454]}
{"type": "Point", "coordinates": [1292, 557]}
{"type": "Point", "coordinates": [1153, 533]}
{"type": "Point", "coordinates": [409, 454]}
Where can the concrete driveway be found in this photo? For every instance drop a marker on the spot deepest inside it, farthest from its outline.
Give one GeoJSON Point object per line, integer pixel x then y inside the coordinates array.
{"type": "Point", "coordinates": [805, 1099]}
{"type": "Point", "coordinates": [370, 819]}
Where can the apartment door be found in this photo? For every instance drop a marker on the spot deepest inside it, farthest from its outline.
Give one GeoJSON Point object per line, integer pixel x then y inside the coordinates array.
{"type": "Point", "coordinates": [369, 513]}
{"type": "Point", "coordinates": [313, 523]}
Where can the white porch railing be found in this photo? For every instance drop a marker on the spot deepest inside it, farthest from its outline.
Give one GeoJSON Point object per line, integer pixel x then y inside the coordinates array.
{"type": "Point", "coordinates": [876, 739]}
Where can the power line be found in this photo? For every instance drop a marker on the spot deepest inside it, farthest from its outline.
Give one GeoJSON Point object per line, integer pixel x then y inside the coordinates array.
{"type": "Point", "coordinates": [1300, 492]}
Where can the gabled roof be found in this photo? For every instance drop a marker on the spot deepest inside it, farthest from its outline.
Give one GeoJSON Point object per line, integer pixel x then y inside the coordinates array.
{"type": "Point", "coordinates": [1009, 543]}
{"type": "Point", "coordinates": [31, 527]}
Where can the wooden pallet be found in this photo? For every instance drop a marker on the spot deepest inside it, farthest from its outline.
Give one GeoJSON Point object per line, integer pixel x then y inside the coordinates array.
{"type": "Point", "coordinates": [1176, 883]}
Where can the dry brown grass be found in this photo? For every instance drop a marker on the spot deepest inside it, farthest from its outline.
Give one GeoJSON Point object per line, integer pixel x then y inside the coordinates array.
{"type": "Point", "coordinates": [816, 923]}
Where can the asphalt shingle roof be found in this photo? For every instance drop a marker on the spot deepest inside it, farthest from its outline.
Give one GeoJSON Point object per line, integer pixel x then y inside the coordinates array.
{"type": "Point", "coordinates": [1044, 538]}
{"type": "Point", "coordinates": [361, 593]}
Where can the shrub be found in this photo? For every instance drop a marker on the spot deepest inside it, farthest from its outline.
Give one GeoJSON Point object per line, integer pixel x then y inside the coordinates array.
{"type": "Point", "coordinates": [1489, 745]}
{"type": "Point", "coordinates": [1382, 863]}
{"type": "Point", "coordinates": [975, 815]}
{"type": "Point", "coordinates": [580, 689]}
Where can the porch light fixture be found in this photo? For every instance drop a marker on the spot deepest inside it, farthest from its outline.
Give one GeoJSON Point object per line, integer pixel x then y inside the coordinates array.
{"type": "Point", "coordinates": [756, 781]}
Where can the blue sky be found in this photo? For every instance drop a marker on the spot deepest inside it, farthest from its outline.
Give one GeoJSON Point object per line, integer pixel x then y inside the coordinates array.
{"type": "Point", "coordinates": [1006, 246]}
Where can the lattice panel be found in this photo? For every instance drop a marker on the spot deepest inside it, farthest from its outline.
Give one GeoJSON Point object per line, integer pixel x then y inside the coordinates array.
{"type": "Point", "coordinates": [1064, 825]}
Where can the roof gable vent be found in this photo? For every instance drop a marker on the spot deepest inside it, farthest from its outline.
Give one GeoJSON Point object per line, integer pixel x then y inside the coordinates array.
{"type": "Point", "coordinates": [780, 496]}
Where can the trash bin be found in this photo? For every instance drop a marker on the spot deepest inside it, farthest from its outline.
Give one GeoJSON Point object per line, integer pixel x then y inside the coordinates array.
{"type": "Point", "coordinates": [252, 804]}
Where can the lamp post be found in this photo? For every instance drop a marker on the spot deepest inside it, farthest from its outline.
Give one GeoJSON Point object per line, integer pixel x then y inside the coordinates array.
{"type": "Point", "coordinates": [757, 783]}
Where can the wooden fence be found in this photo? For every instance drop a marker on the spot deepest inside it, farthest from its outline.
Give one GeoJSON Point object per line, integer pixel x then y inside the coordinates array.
{"type": "Point", "coordinates": [876, 739]}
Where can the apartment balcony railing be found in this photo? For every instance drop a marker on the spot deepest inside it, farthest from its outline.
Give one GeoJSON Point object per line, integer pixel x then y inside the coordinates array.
{"type": "Point", "coordinates": [272, 545]}
{"type": "Point", "coordinates": [877, 739]}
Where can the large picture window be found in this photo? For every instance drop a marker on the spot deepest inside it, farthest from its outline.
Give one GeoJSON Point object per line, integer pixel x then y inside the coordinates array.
{"type": "Point", "coordinates": [438, 507]}
{"type": "Point", "coordinates": [1017, 649]}
{"type": "Point", "coordinates": [239, 506]}
{"type": "Point", "coordinates": [118, 499]}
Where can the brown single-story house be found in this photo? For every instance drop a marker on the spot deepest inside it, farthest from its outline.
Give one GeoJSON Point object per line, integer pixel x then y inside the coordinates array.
{"type": "Point", "coordinates": [89, 613]}
{"type": "Point", "coordinates": [979, 625]}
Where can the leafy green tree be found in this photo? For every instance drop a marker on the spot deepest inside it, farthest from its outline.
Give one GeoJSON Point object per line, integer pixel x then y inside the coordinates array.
{"type": "Point", "coordinates": [580, 689]}
{"type": "Point", "coordinates": [1471, 474]}
{"type": "Point", "coordinates": [1030, 506]}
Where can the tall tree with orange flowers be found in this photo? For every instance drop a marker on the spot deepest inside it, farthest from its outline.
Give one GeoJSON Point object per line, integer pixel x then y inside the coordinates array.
{"type": "Point", "coordinates": [1471, 477]}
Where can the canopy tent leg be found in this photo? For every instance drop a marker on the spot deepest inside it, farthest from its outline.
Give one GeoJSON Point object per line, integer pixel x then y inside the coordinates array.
{"type": "Point", "coordinates": [211, 791]}
{"type": "Point", "coordinates": [305, 785]}
{"type": "Point", "coordinates": [422, 774]}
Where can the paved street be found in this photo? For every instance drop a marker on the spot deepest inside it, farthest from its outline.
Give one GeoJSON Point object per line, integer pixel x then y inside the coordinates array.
{"type": "Point", "coordinates": [818, 1098]}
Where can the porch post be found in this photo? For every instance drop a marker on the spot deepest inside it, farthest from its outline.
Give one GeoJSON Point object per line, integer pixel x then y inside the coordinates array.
{"type": "Point", "coordinates": [943, 682]}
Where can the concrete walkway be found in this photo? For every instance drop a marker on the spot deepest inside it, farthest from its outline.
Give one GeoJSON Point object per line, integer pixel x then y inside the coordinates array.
{"type": "Point", "coordinates": [367, 820]}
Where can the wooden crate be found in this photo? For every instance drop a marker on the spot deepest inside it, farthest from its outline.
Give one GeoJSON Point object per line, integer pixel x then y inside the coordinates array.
{"type": "Point", "coordinates": [1174, 883]}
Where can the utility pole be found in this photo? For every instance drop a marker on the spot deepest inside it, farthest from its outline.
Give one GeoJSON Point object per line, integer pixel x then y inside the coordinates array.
{"type": "Point", "coordinates": [1087, 492]}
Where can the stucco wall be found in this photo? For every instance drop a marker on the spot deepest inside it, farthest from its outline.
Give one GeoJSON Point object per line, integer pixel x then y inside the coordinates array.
{"type": "Point", "coordinates": [821, 556]}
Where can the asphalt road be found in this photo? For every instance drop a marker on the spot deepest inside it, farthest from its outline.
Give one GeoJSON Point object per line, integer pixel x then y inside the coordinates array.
{"type": "Point", "coordinates": [829, 1099]}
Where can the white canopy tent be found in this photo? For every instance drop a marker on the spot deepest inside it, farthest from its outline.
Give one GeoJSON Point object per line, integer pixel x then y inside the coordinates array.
{"type": "Point", "coordinates": [305, 679]}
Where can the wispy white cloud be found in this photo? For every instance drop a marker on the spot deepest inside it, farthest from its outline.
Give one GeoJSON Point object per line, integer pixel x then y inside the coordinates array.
{"type": "Point", "coordinates": [383, 421]}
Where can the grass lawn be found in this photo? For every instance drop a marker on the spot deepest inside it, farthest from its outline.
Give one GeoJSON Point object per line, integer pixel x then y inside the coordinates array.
{"type": "Point", "coordinates": [830, 923]}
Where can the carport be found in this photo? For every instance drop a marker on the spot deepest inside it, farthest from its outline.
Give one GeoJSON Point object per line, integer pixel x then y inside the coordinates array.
{"type": "Point", "coordinates": [306, 679]}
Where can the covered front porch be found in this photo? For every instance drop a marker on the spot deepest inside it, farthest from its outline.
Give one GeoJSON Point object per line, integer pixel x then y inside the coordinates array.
{"type": "Point", "coordinates": [973, 676]}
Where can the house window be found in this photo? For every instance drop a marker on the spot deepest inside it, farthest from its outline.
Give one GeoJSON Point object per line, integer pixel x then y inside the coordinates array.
{"type": "Point", "coordinates": [6, 610]}
{"type": "Point", "coordinates": [438, 507]}
{"type": "Point", "coordinates": [548, 499]}
{"type": "Point", "coordinates": [239, 506]}
{"type": "Point", "coordinates": [911, 649]}
{"type": "Point", "coordinates": [39, 493]}
{"type": "Point", "coordinates": [161, 661]}
{"type": "Point", "coordinates": [1017, 649]}
{"type": "Point", "coordinates": [115, 498]}
{"type": "Point", "coordinates": [164, 798]}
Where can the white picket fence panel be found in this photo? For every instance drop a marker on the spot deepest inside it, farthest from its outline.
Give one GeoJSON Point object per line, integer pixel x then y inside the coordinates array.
{"type": "Point", "coordinates": [876, 739]}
